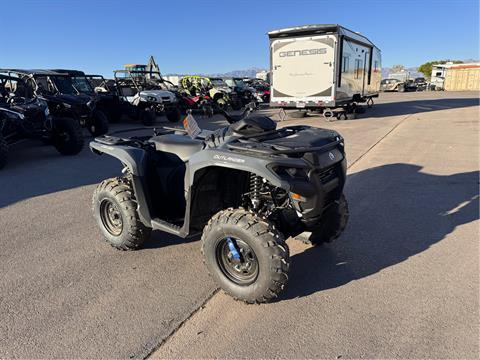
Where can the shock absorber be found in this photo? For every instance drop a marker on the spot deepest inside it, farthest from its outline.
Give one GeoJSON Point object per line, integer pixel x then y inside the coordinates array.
{"type": "Point", "coordinates": [255, 187]}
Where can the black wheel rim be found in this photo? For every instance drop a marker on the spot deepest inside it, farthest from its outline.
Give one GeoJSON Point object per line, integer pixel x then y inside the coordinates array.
{"type": "Point", "coordinates": [64, 137]}
{"type": "Point", "coordinates": [111, 217]}
{"type": "Point", "coordinates": [241, 269]}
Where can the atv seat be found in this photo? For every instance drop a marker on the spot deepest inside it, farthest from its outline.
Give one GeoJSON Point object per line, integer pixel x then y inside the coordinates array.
{"type": "Point", "coordinates": [253, 125]}
{"type": "Point", "coordinates": [181, 145]}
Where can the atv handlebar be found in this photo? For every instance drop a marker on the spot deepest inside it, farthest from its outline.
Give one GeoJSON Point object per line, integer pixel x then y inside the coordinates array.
{"type": "Point", "coordinates": [246, 113]}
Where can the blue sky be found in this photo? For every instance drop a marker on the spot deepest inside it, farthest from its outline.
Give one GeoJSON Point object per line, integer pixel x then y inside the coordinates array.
{"type": "Point", "coordinates": [218, 36]}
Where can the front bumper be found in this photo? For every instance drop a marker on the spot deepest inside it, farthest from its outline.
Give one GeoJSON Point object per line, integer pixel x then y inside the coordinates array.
{"type": "Point", "coordinates": [325, 186]}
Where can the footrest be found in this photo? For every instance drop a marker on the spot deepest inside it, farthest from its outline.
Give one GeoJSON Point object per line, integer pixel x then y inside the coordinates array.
{"type": "Point", "coordinates": [159, 224]}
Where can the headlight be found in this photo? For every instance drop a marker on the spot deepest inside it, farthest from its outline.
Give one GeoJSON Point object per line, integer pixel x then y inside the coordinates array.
{"type": "Point", "coordinates": [291, 172]}
{"type": "Point", "coordinates": [67, 106]}
{"type": "Point", "coordinates": [340, 140]}
{"type": "Point", "coordinates": [297, 173]}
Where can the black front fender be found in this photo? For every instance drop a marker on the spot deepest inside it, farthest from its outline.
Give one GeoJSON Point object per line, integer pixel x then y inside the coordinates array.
{"type": "Point", "coordinates": [133, 158]}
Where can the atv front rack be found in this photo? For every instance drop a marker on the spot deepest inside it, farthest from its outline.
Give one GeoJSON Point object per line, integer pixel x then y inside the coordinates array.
{"type": "Point", "coordinates": [155, 129]}
{"type": "Point", "coordinates": [265, 149]}
{"type": "Point", "coordinates": [114, 140]}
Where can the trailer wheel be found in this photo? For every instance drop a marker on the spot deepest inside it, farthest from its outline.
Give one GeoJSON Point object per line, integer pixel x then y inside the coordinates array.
{"type": "Point", "coordinates": [327, 113]}
{"type": "Point", "coordinates": [298, 114]}
{"type": "Point", "coordinates": [350, 116]}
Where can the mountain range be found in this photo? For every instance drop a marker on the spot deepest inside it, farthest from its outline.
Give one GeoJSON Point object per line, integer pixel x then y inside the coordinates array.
{"type": "Point", "coordinates": [252, 71]}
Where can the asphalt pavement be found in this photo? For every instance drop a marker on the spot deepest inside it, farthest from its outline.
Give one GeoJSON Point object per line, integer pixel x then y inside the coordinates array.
{"type": "Point", "coordinates": [401, 282]}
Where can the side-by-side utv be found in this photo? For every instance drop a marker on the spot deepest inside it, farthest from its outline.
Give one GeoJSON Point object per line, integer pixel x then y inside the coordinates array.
{"type": "Point", "coordinates": [141, 96]}
{"type": "Point", "coordinates": [58, 89]}
{"type": "Point", "coordinates": [23, 116]}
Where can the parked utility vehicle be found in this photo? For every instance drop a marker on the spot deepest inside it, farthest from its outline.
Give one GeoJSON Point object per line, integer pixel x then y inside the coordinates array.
{"type": "Point", "coordinates": [262, 89]}
{"type": "Point", "coordinates": [23, 116]}
{"type": "Point", "coordinates": [106, 102]}
{"type": "Point", "coordinates": [101, 85]}
{"type": "Point", "coordinates": [420, 83]}
{"type": "Point", "coordinates": [213, 90]}
{"type": "Point", "coordinates": [63, 98]}
{"type": "Point", "coordinates": [245, 94]}
{"type": "Point", "coordinates": [392, 85]}
{"type": "Point", "coordinates": [142, 97]}
{"type": "Point", "coordinates": [247, 187]}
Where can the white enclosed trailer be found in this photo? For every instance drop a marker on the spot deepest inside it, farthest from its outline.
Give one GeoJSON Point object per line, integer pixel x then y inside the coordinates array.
{"type": "Point", "coordinates": [322, 66]}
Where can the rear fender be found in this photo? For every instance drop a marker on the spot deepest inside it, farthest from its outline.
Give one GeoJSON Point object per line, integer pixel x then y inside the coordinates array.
{"type": "Point", "coordinates": [133, 158]}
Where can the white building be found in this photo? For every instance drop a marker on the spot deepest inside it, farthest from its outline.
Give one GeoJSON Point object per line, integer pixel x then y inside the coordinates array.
{"type": "Point", "coordinates": [439, 72]}
{"type": "Point", "coordinates": [262, 75]}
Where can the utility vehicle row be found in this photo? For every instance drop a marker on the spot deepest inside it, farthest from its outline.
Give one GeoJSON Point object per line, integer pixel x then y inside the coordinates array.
{"type": "Point", "coordinates": [53, 105]}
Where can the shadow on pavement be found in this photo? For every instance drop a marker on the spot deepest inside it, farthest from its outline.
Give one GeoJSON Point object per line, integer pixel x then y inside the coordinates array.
{"type": "Point", "coordinates": [161, 239]}
{"type": "Point", "coordinates": [396, 212]}
{"type": "Point", "coordinates": [383, 110]}
{"type": "Point", "coordinates": [35, 169]}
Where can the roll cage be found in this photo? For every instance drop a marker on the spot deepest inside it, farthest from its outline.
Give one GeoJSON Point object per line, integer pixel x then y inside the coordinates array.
{"type": "Point", "coordinates": [139, 81]}
{"type": "Point", "coordinates": [80, 82]}
{"type": "Point", "coordinates": [98, 81]}
{"type": "Point", "coordinates": [32, 79]}
{"type": "Point", "coordinates": [196, 81]}
{"type": "Point", "coordinates": [12, 84]}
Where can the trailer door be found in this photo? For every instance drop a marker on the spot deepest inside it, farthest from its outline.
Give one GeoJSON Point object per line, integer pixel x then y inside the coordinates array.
{"type": "Point", "coordinates": [366, 71]}
{"type": "Point", "coordinates": [303, 69]}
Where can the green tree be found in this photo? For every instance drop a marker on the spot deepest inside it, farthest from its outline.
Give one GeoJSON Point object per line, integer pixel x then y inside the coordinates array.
{"type": "Point", "coordinates": [426, 69]}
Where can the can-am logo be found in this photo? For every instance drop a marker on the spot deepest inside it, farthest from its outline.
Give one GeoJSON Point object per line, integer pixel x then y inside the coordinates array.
{"type": "Point", "coordinates": [303, 52]}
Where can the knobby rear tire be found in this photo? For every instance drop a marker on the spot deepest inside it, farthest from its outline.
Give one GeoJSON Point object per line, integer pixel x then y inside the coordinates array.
{"type": "Point", "coordinates": [119, 192]}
